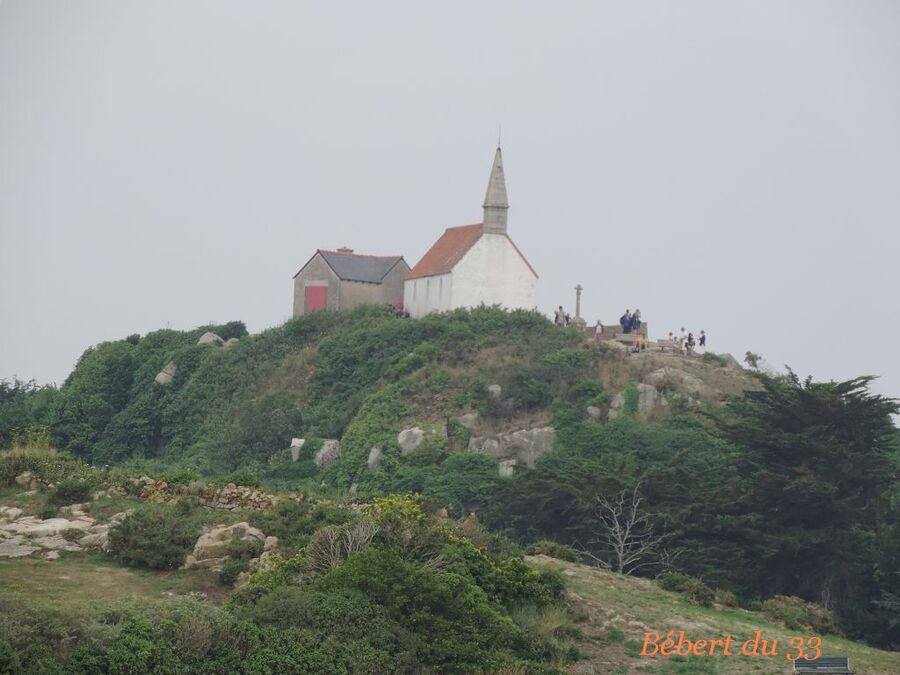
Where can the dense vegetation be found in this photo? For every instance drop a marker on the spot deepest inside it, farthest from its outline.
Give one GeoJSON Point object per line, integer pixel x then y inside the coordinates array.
{"type": "Point", "coordinates": [788, 490]}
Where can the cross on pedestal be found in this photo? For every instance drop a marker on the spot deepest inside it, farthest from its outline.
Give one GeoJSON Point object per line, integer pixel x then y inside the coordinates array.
{"type": "Point", "coordinates": [578, 290]}
{"type": "Point", "coordinates": [578, 321]}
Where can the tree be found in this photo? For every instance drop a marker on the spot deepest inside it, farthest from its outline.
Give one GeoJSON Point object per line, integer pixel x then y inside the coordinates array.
{"type": "Point", "coordinates": [625, 532]}
{"type": "Point", "coordinates": [818, 460]}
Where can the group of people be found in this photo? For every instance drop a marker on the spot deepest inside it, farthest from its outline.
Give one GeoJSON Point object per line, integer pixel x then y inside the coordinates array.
{"type": "Point", "coordinates": [398, 310]}
{"type": "Point", "coordinates": [630, 321]}
{"type": "Point", "coordinates": [561, 317]}
{"type": "Point", "coordinates": [685, 342]}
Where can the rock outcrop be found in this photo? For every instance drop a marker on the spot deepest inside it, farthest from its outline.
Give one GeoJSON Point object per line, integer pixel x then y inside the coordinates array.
{"type": "Point", "coordinates": [209, 338]}
{"type": "Point", "coordinates": [328, 454]}
{"type": "Point", "coordinates": [648, 398]}
{"type": "Point", "coordinates": [410, 439]}
{"type": "Point", "coordinates": [236, 496]}
{"type": "Point", "coordinates": [525, 445]}
{"type": "Point", "coordinates": [22, 535]}
{"type": "Point", "coordinates": [468, 420]}
{"type": "Point", "coordinates": [28, 480]}
{"type": "Point", "coordinates": [167, 374]}
{"type": "Point", "coordinates": [374, 459]}
{"type": "Point", "coordinates": [296, 446]}
{"type": "Point", "coordinates": [211, 549]}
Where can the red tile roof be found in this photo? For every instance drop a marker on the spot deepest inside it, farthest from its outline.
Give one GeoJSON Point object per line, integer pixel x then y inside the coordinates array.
{"type": "Point", "coordinates": [447, 251]}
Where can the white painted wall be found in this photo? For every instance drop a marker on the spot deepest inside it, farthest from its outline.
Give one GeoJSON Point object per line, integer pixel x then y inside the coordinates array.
{"type": "Point", "coordinates": [493, 273]}
{"type": "Point", "coordinates": [428, 294]}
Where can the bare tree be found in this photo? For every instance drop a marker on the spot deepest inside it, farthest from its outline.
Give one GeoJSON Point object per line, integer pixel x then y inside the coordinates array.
{"type": "Point", "coordinates": [625, 532]}
{"type": "Point", "coordinates": [331, 546]}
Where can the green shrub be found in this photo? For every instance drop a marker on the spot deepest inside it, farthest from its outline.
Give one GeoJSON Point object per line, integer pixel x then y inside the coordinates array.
{"type": "Point", "coordinates": [158, 538]}
{"type": "Point", "coordinates": [726, 598]}
{"type": "Point", "coordinates": [630, 395]}
{"type": "Point", "coordinates": [633, 648]}
{"type": "Point", "coordinates": [71, 491]}
{"type": "Point", "coordinates": [797, 614]}
{"type": "Point", "coordinates": [244, 476]}
{"type": "Point", "coordinates": [72, 534]}
{"type": "Point", "coordinates": [458, 629]}
{"type": "Point", "coordinates": [9, 660]}
{"type": "Point", "coordinates": [47, 465]}
{"type": "Point", "coordinates": [554, 550]}
{"type": "Point", "coordinates": [457, 435]}
{"type": "Point", "coordinates": [714, 359]}
{"type": "Point", "coordinates": [528, 390]}
{"type": "Point", "coordinates": [693, 589]}
{"type": "Point", "coordinates": [231, 570]}
{"type": "Point", "coordinates": [179, 476]}
{"type": "Point", "coordinates": [614, 634]}
{"type": "Point", "coordinates": [294, 523]}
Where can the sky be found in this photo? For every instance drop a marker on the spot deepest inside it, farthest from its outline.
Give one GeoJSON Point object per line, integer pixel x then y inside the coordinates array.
{"type": "Point", "coordinates": [731, 166]}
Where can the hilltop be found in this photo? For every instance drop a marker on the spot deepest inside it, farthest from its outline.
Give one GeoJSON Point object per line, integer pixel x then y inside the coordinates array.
{"type": "Point", "coordinates": [218, 405]}
{"type": "Point", "coordinates": [759, 486]}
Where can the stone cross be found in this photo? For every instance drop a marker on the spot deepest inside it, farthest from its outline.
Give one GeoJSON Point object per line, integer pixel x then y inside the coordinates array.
{"type": "Point", "coordinates": [578, 290]}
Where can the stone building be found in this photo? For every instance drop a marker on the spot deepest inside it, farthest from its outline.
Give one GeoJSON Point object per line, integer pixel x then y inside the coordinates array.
{"type": "Point", "coordinates": [474, 264]}
{"type": "Point", "coordinates": [342, 279]}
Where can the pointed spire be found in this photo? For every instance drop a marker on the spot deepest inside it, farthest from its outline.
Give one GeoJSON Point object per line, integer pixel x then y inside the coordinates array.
{"type": "Point", "coordinates": [496, 203]}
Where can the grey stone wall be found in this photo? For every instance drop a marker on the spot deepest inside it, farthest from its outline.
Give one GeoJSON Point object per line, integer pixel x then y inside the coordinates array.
{"type": "Point", "coordinates": [316, 273]}
{"type": "Point", "coordinates": [393, 283]}
{"type": "Point", "coordinates": [348, 294]}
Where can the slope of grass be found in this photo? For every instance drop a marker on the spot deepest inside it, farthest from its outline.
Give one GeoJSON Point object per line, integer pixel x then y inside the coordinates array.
{"type": "Point", "coordinates": [614, 612]}
{"type": "Point", "coordinates": [79, 581]}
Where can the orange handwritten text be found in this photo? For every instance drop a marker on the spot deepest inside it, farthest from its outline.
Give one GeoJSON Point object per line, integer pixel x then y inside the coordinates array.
{"type": "Point", "coordinates": [673, 643]}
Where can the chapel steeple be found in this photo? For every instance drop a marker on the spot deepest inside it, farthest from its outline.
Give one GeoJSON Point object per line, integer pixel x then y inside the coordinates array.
{"type": "Point", "coordinates": [496, 203]}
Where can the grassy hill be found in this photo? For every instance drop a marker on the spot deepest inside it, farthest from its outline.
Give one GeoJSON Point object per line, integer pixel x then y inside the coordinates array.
{"type": "Point", "coordinates": [760, 486]}
{"type": "Point", "coordinates": [614, 613]}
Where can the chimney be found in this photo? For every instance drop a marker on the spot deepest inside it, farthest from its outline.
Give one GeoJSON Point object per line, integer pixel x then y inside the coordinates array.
{"type": "Point", "coordinates": [344, 249]}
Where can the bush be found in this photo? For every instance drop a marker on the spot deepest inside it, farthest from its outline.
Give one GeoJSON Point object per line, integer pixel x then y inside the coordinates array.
{"type": "Point", "coordinates": [726, 599]}
{"type": "Point", "coordinates": [244, 476]}
{"type": "Point", "coordinates": [714, 359]}
{"type": "Point", "coordinates": [47, 465]}
{"type": "Point", "coordinates": [295, 523]}
{"type": "Point", "coordinates": [9, 661]}
{"type": "Point", "coordinates": [631, 396]}
{"type": "Point", "coordinates": [179, 476]}
{"type": "Point", "coordinates": [797, 614]}
{"type": "Point", "coordinates": [158, 538]}
{"type": "Point", "coordinates": [231, 570]}
{"type": "Point", "coordinates": [528, 390]}
{"type": "Point", "coordinates": [554, 550]}
{"type": "Point", "coordinates": [614, 634]}
{"type": "Point", "coordinates": [71, 491]}
{"type": "Point", "coordinates": [693, 589]}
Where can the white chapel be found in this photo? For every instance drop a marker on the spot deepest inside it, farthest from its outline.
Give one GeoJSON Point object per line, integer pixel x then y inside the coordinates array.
{"type": "Point", "coordinates": [475, 264]}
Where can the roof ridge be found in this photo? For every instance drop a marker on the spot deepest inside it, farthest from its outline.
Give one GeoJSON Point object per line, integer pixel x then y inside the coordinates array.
{"type": "Point", "coordinates": [448, 250]}
{"type": "Point", "coordinates": [358, 255]}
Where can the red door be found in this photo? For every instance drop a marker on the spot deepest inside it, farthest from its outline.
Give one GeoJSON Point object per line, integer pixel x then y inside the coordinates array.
{"type": "Point", "coordinates": [316, 298]}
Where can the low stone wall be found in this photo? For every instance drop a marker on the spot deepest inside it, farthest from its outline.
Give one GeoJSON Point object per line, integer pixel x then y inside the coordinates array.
{"type": "Point", "coordinates": [612, 330]}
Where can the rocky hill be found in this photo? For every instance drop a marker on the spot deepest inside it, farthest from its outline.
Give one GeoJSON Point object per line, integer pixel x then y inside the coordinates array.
{"type": "Point", "coordinates": [760, 486]}
{"type": "Point", "coordinates": [216, 399]}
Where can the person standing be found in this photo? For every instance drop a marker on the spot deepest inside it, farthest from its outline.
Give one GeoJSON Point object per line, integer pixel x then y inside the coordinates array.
{"type": "Point", "coordinates": [558, 318]}
{"type": "Point", "coordinates": [625, 321]}
{"type": "Point", "coordinates": [598, 332]}
{"type": "Point", "coordinates": [702, 342]}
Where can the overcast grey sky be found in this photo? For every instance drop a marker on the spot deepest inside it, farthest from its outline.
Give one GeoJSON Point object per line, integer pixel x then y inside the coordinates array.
{"type": "Point", "coordinates": [733, 166]}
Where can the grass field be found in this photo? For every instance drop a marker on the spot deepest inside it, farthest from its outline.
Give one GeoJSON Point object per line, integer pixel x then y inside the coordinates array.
{"type": "Point", "coordinates": [614, 612]}
{"type": "Point", "coordinates": [78, 580]}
